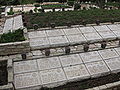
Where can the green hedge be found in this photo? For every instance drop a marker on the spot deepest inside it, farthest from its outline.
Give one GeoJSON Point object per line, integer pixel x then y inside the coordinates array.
{"type": "Point", "coordinates": [54, 6]}
{"type": "Point", "coordinates": [75, 17]}
{"type": "Point", "coordinates": [12, 36]}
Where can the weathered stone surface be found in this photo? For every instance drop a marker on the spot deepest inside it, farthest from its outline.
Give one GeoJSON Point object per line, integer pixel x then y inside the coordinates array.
{"type": "Point", "coordinates": [25, 66]}
{"type": "Point", "coordinates": [52, 76]}
{"type": "Point", "coordinates": [113, 27]}
{"type": "Point", "coordinates": [102, 28]}
{"type": "Point", "coordinates": [90, 56]}
{"type": "Point", "coordinates": [77, 72]}
{"type": "Point", "coordinates": [108, 53]}
{"type": "Point", "coordinates": [107, 34]}
{"type": "Point", "coordinates": [37, 34]}
{"type": "Point", "coordinates": [113, 64]}
{"type": "Point", "coordinates": [48, 63]}
{"type": "Point", "coordinates": [87, 29]}
{"type": "Point", "coordinates": [27, 80]}
{"type": "Point", "coordinates": [76, 38]}
{"type": "Point", "coordinates": [117, 33]}
{"type": "Point", "coordinates": [68, 60]}
{"type": "Point", "coordinates": [58, 40]}
{"type": "Point", "coordinates": [71, 31]}
{"type": "Point", "coordinates": [58, 32]}
{"type": "Point", "coordinates": [92, 36]}
{"type": "Point", "coordinates": [97, 68]}
{"type": "Point", "coordinates": [39, 42]}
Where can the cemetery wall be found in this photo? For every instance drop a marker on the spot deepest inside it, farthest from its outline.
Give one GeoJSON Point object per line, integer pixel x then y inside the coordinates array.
{"type": "Point", "coordinates": [14, 48]}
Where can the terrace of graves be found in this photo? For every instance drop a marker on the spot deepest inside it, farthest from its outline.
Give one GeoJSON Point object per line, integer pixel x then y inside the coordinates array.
{"type": "Point", "coordinates": [73, 36]}
{"type": "Point", "coordinates": [58, 70]}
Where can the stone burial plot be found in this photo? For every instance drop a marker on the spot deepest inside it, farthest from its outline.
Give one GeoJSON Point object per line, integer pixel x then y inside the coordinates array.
{"type": "Point", "coordinates": [71, 36]}
{"type": "Point", "coordinates": [25, 66]}
{"type": "Point", "coordinates": [77, 72]}
{"type": "Point", "coordinates": [90, 56]}
{"type": "Point", "coordinates": [13, 23]}
{"type": "Point", "coordinates": [113, 64]}
{"type": "Point", "coordinates": [27, 80]}
{"type": "Point", "coordinates": [69, 60]}
{"type": "Point", "coordinates": [53, 77]}
{"type": "Point", "coordinates": [48, 63]}
{"type": "Point", "coordinates": [108, 53]}
{"type": "Point", "coordinates": [98, 68]}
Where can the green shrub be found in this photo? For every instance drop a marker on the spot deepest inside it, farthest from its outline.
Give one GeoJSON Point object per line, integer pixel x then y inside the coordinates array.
{"type": "Point", "coordinates": [12, 36]}
{"type": "Point", "coordinates": [76, 6]}
{"type": "Point", "coordinates": [37, 5]}
{"type": "Point", "coordinates": [75, 17]}
{"type": "Point", "coordinates": [70, 3]}
{"type": "Point", "coordinates": [11, 11]}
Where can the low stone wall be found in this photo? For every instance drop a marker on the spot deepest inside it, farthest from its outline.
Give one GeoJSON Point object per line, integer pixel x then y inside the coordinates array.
{"type": "Point", "coordinates": [14, 48]}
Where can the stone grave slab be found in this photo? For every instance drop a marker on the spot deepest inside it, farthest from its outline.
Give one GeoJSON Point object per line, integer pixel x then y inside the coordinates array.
{"type": "Point", "coordinates": [92, 36]}
{"type": "Point", "coordinates": [58, 40]}
{"type": "Point", "coordinates": [113, 64]}
{"type": "Point", "coordinates": [58, 32]}
{"type": "Point", "coordinates": [113, 27]}
{"type": "Point", "coordinates": [36, 34]}
{"type": "Point", "coordinates": [8, 25]}
{"type": "Point", "coordinates": [71, 31]}
{"type": "Point", "coordinates": [118, 50]}
{"type": "Point", "coordinates": [36, 53]}
{"type": "Point", "coordinates": [48, 63]}
{"type": "Point", "coordinates": [108, 53]}
{"type": "Point", "coordinates": [87, 29]}
{"type": "Point", "coordinates": [97, 68]}
{"type": "Point", "coordinates": [117, 33]}
{"type": "Point", "coordinates": [25, 66]}
{"type": "Point", "coordinates": [76, 38]}
{"type": "Point", "coordinates": [90, 56]}
{"type": "Point", "coordinates": [77, 72]}
{"type": "Point", "coordinates": [102, 28]}
{"type": "Point", "coordinates": [27, 80]}
{"type": "Point", "coordinates": [39, 42]}
{"type": "Point", "coordinates": [18, 23]}
{"type": "Point", "coordinates": [107, 34]}
{"type": "Point", "coordinates": [52, 76]}
{"type": "Point", "coordinates": [69, 60]}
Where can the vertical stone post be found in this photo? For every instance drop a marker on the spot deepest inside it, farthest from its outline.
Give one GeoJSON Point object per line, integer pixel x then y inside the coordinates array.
{"type": "Point", "coordinates": [47, 52]}
{"type": "Point", "coordinates": [67, 50]}
{"type": "Point", "coordinates": [103, 45]}
{"type": "Point", "coordinates": [86, 47]}
{"type": "Point", "coordinates": [24, 56]}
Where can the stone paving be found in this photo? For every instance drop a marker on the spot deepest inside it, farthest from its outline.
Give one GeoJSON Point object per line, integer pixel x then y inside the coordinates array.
{"type": "Point", "coordinates": [13, 24]}
{"type": "Point", "coordinates": [70, 36]}
{"type": "Point", "coordinates": [57, 70]}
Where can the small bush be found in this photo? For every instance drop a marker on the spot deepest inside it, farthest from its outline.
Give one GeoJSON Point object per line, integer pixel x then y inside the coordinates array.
{"type": "Point", "coordinates": [70, 3]}
{"type": "Point", "coordinates": [12, 36]}
{"type": "Point", "coordinates": [37, 5]}
{"type": "Point", "coordinates": [11, 11]}
{"type": "Point", "coordinates": [76, 6]}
